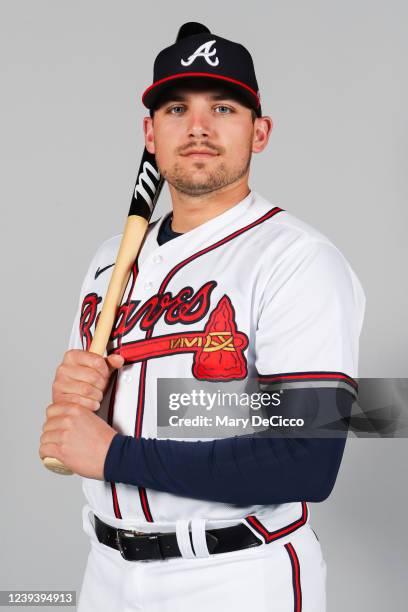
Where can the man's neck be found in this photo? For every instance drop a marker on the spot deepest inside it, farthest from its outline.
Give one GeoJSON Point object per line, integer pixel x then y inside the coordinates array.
{"type": "Point", "coordinates": [191, 211]}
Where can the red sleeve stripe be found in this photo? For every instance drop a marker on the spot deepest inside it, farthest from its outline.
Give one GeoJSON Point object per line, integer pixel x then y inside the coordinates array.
{"type": "Point", "coordinates": [307, 376]}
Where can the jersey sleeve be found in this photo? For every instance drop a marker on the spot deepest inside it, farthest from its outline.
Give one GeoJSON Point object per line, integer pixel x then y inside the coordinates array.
{"type": "Point", "coordinates": [309, 320]}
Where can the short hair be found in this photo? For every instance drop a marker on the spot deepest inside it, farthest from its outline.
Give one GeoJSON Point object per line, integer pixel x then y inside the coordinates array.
{"type": "Point", "coordinates": [196, 85]}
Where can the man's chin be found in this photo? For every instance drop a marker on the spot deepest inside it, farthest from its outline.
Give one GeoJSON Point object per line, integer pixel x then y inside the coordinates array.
{"type": "Point", "coordinates": [197, 183]}
{"type": "Point", "coordinates": [199, 180]}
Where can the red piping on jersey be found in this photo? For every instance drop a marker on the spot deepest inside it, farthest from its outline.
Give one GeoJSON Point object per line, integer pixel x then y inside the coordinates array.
{"type": "Point", "coordinates": [202, 74]}
{"type": "Point", "coordinates": [270, 536]}
{"type": "Point", "coordinates": [297, 588]}
{"type": "Point", "coordinates": [145, 504]}
{"type": "Point", "coordinates": [176, 268]}
{"type": "Point", "coordinates": [115, 500]}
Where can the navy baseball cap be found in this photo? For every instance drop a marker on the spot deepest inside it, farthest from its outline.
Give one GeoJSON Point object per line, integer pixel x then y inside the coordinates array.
{"type": "Point", "coordinates": [200, 54]}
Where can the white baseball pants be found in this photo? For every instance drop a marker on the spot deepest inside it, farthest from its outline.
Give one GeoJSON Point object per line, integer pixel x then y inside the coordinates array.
{"type": "Point", "coordinates": [288, 575]}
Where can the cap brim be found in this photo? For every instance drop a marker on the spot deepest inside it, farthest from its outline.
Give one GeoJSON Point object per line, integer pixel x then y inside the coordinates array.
{"type": "Point", "coordinates": [153, 93]}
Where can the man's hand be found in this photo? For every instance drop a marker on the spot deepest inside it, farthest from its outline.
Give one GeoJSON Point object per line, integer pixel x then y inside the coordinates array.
{"type": "Point", "coordinates": [77, 437]}
{"type": "Point", "coordinates": [83, 377]}
{"type": "Point", "coordinates": [72, 433]}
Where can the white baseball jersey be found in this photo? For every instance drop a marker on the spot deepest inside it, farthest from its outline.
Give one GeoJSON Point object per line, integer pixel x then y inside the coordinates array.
{"type": "Point", "coordinates": [285, 296]}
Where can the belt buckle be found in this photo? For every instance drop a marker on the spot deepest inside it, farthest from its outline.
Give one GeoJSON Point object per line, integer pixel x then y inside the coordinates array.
{"type": "Point", "coordinates": [151, 545]}
{"type": "Point", "coordinates": [127, 533]}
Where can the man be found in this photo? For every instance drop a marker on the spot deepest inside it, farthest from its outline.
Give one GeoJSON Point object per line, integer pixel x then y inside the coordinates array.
{"type": "Point", "coordinates": [227, 287]}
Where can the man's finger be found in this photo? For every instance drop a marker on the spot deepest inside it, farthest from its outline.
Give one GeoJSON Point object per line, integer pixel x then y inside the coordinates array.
{"type": "Point", "coordinates": [115, 362]}
{"type": "Point", "coordinates": [61, 408]}
{"type": "Point", "coordinates": [52, 436]}
{"type": "Point", "coordinates": [86, 358]}
{"type": "Point", "coordinates": [79, 387]}
{"type": "Point", "coordinates": [60, 398]}
{"type": "Point", "coordinates": [82, 373]}
{"type": "Point", "coordinates": [49, 450]}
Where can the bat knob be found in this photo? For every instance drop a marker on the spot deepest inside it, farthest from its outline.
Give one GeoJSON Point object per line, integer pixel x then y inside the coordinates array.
{"type": "Point", "coordinates": [56, 466]}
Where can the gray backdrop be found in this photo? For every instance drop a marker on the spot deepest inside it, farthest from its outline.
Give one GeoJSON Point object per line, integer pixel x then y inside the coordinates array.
{"type": "Point", "coordinates": [333, 78]}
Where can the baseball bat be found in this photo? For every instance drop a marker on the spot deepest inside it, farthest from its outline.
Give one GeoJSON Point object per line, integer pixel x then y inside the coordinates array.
{"type": "Point", "coordinates": [148, 185]}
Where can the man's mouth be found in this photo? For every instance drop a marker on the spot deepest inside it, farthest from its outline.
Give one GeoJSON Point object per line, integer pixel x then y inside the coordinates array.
{"type": "Point", "coordinates": [199, 153]}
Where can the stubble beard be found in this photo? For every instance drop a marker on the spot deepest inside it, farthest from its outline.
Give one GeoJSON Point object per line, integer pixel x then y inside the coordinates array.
{"type": "Point", "coordinates": [213, 180]}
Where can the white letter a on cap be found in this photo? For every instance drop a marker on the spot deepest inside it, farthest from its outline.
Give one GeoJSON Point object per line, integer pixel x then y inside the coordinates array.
{"type": "Point", "coordinates": [203, 51]}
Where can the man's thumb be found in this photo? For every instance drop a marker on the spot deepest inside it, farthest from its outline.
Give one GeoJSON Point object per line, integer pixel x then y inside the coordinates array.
{"type": "Point", "coordinates": [115, 362]}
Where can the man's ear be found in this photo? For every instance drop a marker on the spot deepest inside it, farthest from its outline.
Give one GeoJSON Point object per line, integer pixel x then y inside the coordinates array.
{"type": "Point", "coordinates": [262, 131]}
{"type": "Point", "coordinates": [149, 134]}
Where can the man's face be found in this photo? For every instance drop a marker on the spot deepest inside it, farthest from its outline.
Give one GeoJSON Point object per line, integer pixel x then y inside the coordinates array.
{"type": "Point", "coordinates": [202, 139]}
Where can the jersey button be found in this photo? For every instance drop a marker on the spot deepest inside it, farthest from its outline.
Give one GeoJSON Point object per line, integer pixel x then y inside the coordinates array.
{"type": "Point", "coordinates": [127, 378]}
{"type": "Point", "coordinates": [148, 285]}
{"type": "Point", "coordinates": [157, 259]}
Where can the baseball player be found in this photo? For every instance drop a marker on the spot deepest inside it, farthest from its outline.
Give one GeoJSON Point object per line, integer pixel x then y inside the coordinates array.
{"type": "Point", "coordinates": [228, 286]}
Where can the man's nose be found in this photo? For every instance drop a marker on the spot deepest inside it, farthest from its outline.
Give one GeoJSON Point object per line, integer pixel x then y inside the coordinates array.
{"type": "Point", "coordinates": [199, 125]}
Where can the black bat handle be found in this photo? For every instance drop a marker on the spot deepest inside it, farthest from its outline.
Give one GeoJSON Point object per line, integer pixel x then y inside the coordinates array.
{"type": "Point", "coordinates": [147, 188]}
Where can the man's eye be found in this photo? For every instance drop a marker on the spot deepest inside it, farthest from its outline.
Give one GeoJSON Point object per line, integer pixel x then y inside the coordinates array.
{"type": "Point", "coordinates": [223, 110]}
{"type": "Point", "coordinates": [176, 110]}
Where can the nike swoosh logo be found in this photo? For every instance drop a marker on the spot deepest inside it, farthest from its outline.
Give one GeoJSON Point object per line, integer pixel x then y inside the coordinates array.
{"type": "Point", "coordinates": [100, 270]}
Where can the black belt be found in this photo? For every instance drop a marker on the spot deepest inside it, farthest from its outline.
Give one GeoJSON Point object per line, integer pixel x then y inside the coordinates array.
{"type": "Point", "coordinates": [138, 546]}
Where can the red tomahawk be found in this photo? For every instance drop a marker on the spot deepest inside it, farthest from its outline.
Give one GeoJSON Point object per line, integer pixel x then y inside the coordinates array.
{"type": "Point", "coordinates": [218, 350]}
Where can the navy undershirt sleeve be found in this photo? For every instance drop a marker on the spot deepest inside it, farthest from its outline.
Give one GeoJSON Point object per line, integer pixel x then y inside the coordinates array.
{"type": "Point", "coordinates": [241, 470]}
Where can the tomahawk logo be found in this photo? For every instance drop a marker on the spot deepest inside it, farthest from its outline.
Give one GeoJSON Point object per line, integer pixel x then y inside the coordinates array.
{"type": "Point", "coordinates": [145, 178]}
{"type": "Point", "coordinates": [203, 51]}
